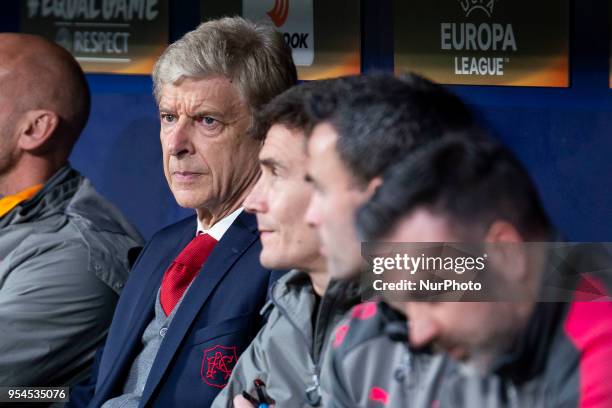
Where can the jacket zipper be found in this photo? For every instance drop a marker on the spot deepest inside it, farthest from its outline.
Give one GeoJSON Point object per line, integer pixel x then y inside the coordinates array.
{"type": "Point", "coordinates": [313, 392]}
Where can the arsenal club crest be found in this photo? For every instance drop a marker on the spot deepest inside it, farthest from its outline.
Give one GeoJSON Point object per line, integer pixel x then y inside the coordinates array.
{"type": "Point", "coordinates": [217, 365]}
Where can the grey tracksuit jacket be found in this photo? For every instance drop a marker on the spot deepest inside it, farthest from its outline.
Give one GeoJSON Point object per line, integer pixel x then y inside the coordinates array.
{"type": "Point", "coordinates": [63, 262]}
{"type": "Point", "coordinates": [287, 353]}
{"type": "Point", "coordinates": [562, 359]}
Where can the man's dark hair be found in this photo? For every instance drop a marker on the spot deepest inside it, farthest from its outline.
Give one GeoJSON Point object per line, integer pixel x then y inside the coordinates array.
{"type": "Point", "coordinates": [380, 118]}
{"type": "Point", "coordinates": [288, 109]}
{"type": "Point", "coordinates": [472, 181]}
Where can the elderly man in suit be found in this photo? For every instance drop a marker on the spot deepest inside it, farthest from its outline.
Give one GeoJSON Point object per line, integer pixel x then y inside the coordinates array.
{"type": "Point", "coordinates": [191, 305]}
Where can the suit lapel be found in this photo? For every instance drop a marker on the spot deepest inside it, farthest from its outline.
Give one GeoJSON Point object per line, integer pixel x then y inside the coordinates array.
{"type": "Point", "coordinates": [141, 311]}
{"type": "Point", "coordinates": [234, 243]}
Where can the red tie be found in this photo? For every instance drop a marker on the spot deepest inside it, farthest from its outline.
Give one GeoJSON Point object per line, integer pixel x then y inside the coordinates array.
{"type": "Point", "coordinates": [183, 269]}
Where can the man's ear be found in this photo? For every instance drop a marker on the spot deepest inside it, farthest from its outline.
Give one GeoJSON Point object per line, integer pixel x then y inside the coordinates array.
{"type": "Point", "coordinates": [508, 251]}
{"type": "Point", "coordinates": [36, 128]}
{"type": "Point", "coordinates": [503, 231]}
{"type": "Point", "coordinates": [373, 185]}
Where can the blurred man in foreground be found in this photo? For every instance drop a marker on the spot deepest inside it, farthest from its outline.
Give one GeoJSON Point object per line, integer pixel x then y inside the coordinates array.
{"type": "Point", "coordinates": [363, 125]}
{"type": "Point", "coordinates": [304, 305]}
{"type": "Point", "coordinates": [515, 352]}
{"type": "Point", "coordinates": [64, 250]}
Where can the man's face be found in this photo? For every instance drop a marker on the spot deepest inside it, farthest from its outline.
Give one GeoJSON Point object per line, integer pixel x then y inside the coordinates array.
{"type": "Point", "coordinates": [474, 332]}
{"type": "Point", "coordinates": [334, 203]}
{"type": "Point", "coordinates": [280, 198]}
{"type": "Point", "coordinates": [208, 157]}
{"type": "Point", "coordinates": [9, 114]}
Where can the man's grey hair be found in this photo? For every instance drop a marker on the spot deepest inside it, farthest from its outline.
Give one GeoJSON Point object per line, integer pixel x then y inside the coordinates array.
{"type": "Point", "coordinates": [253, 56]}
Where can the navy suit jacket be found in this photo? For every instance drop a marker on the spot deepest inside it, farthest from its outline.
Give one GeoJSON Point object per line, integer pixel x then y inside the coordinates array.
{"type": "Point", "coordinates": [216, 321]}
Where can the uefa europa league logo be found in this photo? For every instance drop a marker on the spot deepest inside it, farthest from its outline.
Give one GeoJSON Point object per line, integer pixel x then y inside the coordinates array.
{"type": "Point", "coordinates": [486, 6]}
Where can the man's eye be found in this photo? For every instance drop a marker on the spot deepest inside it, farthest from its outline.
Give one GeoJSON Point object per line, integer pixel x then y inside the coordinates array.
{"type": "Point", "coordinates": [206, 120]}
{"type": "Point", "coordinates": [269, 171]}
{"type": "Point", "coordinates": [167, 117]}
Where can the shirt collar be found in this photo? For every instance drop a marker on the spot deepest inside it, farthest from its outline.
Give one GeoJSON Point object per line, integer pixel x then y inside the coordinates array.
{"type": "Point", "coordinates": [218, 230]}
{"type": "Point", "coordinates": [7, 203]}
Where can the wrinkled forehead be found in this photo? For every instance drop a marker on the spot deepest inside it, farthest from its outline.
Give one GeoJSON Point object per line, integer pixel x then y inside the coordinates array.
{"type": "Point", "coordinates": [210, 94]}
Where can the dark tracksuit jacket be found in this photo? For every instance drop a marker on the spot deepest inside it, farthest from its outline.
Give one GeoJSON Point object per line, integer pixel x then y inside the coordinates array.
{"type": "Point", "coordinates": [562, 359]}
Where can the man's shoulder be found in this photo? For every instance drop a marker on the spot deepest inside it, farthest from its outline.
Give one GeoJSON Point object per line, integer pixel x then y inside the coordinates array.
{"type": "Point", "coordinates": [366, 323]}
{"type": "Point", "coordinates": [586, 344]}
{"type": "Point", "coordinates": [89, 210]}
{"type": "Point", "coordinates": [278, 293]}
{"type": "Point", "coordinates": [293, 277]}
{"type": "Point", "coordinates": [162, 244]}
{"type": "Point", "coordinates": [369, 358]}
{"type": "Point", "coordinates": [187, 225]}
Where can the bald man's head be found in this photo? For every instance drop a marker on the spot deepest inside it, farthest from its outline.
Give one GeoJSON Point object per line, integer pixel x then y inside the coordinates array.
{"type": "Point", "coordinates": [36, 74]}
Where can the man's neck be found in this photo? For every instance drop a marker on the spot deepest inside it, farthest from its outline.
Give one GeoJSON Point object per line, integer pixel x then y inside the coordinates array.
{"type": "Point", "coordinates": [319, 279]}
{"type": "Point", "coordinates": [27, 173]}
{"type": "Point", "coordinates": [210, 216]}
